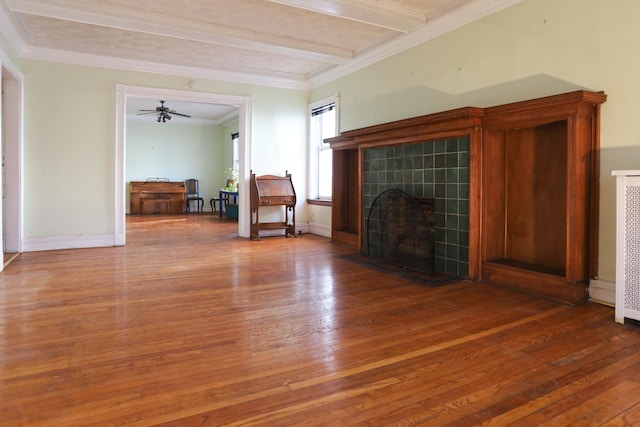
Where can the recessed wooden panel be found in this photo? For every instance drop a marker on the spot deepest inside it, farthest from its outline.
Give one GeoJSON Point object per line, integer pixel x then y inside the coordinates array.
{"type": "Point", "coordinates": [346, 191]}
{"type": "Point", "coordinates": [494, 197]}
{"type": "Point", "coordinates": [536, 196]}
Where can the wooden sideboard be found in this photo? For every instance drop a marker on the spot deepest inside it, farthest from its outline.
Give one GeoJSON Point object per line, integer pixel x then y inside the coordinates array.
{"type": "Point", "coordinates": [272, 191]}
{"type": "Point", "coordinates": [156, 197]}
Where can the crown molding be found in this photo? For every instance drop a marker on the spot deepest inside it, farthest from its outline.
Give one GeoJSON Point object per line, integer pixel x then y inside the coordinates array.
{"type": "Point", "coordinates": [10, 29]}
{"type": "Point", "coordinates": [279, 80]}
{"type": "Point", "coordinates": [435, 28]}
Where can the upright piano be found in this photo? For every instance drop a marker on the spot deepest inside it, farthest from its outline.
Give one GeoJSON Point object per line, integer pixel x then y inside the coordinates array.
{"type": "Point", "coordinates": [149, 197]}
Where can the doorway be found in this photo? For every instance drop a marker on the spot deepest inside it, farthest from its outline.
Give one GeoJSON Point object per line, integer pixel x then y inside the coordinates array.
{"type": "Point", "coordinates": [123, 92]}
{"type": "Point", "coordinates": [11, 120]}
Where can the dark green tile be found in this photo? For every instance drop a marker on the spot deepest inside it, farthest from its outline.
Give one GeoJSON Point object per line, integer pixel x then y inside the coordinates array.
{"type": "Point", "coordinates": [452, 191]}
{"type": "Point", "coordinates": [463, 207]}
{"type": "Point", "coordinates": [390, 152]}
{"type": "Point", "coordinates": [463, 224]}
{"type": "Point", "coordinates": [428, 161]}
{"type": "Point", "coordinates": [463, 237]}
{"type": "Point", "coordinates": [452, 206]}
{"type": "Point", "coordinates": [452, 251]}
{"type": "Point", "coordinates": [389, 175]}
{"type": "Point", "coordinates": [464, 144]}
{"type": "Point", "coordinates": [417, 190]}
{"type": "Point", "coordinates": [429, 191]}
{"type": "Point", "coordinates": [464, 159]}
{"type": "Point", "coordinates": [452, 224]}
{"type": "Point", "coordinates": [463, 191]}
{"type": "Point", "coordinates": [452, 160]}
{"type": "Point", "coordinates": [428, 147]}
{"type": "Point", "coordinates": [463, 254]}
{"type": "Point", "coordinates": [451, 175]}
{"type": "Point", "coordinates": [415, 149]}
{"type": "Point", "coordinates": [464, 175]}
{"type": "Point", "coordinates": [428, 176]}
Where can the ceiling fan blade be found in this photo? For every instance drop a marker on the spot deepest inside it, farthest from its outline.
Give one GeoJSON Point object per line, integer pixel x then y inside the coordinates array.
{"type": "Point", "coordinates": [142, 114]}
{"type": "Point", "coordinates": [153, 111]}
{"type": "Point", "coordinates": [180, 114]}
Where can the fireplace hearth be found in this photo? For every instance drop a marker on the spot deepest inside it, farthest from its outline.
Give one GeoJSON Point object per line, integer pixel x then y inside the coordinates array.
{"type": "Point", "coordinates": [400, 230]}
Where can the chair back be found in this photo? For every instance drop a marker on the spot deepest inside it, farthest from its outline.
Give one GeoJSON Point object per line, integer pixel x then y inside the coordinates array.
{"type": "Point", "coordinates": [192, 187]}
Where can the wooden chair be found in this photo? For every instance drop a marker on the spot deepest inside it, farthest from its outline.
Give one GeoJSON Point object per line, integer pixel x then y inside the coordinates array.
{"type": "Point", "coordinates": [216, 200]}
{"type": "Point", "coordinates": [193, 194]}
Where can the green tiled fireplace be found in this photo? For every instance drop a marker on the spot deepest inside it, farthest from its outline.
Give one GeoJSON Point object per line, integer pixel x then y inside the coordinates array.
{"type": "Point", "coordinates": [436, 170]}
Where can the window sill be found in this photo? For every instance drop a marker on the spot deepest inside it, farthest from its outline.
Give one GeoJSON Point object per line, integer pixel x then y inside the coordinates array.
{"type": "Point", "coordinates": [319, 202]}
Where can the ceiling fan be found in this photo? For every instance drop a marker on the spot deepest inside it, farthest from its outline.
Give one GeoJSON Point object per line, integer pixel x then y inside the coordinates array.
{"type": "Point", "coordinates": [164, 113]}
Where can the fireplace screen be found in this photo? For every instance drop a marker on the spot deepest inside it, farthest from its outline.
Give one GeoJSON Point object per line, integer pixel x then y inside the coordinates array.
{"type": "Point", "coordinates": [400, 230]}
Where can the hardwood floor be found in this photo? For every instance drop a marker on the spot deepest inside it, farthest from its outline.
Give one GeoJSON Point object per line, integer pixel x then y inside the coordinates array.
{"type": "Point", "coordinates": [188, 325]}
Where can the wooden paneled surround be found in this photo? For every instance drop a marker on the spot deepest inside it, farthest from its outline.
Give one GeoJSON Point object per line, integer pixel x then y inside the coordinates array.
{"type": "Point", "coordinates": [534, 172]}
{"type": "Point", "coordinates": [188, 325]}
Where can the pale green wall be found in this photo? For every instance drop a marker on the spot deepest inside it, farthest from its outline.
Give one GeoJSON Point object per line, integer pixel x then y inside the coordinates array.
{"type": "Point", "coordinates": [178, 151]}
{"type": "Point", "coordinates": [532, 49]}
{"type": "Point", "coordinates": [69, 139]}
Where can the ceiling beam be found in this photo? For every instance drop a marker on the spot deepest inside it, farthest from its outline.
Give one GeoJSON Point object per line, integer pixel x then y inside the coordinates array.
{"type": "Point", "coordinates": [126, 19]}
{"type": "Point", "coordinates": [378, 13]}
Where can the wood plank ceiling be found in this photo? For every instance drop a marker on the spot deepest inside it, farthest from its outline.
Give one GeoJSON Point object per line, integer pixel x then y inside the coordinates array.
{"type": "Point", "coordinates": [277, 42]}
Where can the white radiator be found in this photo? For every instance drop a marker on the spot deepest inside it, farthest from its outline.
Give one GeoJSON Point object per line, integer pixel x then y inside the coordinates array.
{"type": "Point", "coordinates": [627, 245]}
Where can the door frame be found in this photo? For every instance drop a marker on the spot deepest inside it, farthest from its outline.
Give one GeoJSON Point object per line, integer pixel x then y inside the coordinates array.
{"type": "Point", "coordinates": [11, 140]}
{"type": "Point", "coordinates": [244, 104]}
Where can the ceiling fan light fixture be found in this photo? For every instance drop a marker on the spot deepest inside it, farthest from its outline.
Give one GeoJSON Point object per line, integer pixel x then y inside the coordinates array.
{"type": "Point", "coordinates": [163, 113]}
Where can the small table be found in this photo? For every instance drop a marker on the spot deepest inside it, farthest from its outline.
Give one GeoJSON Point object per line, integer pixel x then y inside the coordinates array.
{"type": "Point", "coordinates": [224, 193]}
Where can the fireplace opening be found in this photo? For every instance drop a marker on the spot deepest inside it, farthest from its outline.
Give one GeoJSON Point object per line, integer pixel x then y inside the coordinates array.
{"type": "Point", "coordinates": [400, 230]}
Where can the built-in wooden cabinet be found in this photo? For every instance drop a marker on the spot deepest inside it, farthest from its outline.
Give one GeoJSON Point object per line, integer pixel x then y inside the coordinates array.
{"type": "Point", "coordinates": [540, 195]}
{"type": "Point", "coordinates": [533, 203]}
{"type": "Point", "coordinates": [346, 199]}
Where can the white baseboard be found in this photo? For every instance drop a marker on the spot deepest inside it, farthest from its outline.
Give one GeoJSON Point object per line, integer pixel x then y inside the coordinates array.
{"type": "Point", "coordinates": [602, 292]}
{"type": "Point", "coordinates": [68, 242]}
{"type": "Point", "coordinates": [319, 229]}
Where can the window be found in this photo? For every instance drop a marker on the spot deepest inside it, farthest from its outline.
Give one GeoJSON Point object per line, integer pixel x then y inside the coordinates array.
{"type": "Point", "coordinates": [323, 123]}
{"type": "Point", "coordinates": [235, 139]}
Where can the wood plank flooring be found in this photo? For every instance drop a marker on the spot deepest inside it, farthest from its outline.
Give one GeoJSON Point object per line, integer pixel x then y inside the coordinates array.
{"type": "Point", "coordinates": [188, 325]}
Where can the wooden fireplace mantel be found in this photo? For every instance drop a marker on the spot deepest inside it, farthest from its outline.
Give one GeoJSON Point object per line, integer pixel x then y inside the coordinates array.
{"type": "Point", "coordinates": [533, 220]}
